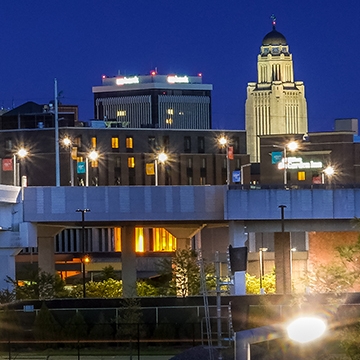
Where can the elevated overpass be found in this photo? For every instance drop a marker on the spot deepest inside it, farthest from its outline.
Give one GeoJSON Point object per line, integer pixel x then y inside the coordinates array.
{"type": "Point", "coordinates": [32, 216]}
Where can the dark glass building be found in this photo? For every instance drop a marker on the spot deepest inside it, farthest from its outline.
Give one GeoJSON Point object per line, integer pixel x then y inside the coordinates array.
{"type": "Point", "coordinates": [154, 101]}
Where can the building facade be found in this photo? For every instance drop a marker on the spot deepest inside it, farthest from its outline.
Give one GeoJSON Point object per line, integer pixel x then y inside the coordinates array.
{"type": "Point", "coordinates": [154, 101]}
{"type": "Point", "coordinates": [276, 103]}
{"type": "Point", "coordinates": [309, 163]}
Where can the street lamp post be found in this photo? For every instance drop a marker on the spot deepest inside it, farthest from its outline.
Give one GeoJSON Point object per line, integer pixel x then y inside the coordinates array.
{"type": "Point", "coordinates": [262, 270]}
{"type": "Point", "coordinates": [21, 153]}
{"type": "Point", "coordinates": [160, 158]}
{"type": "Point", "coordinates": [293, 145]}
{"type": "Point", "coordinates": [83, 211]}
{"type": "Point", "coordinates": [56, 125]}
{"type": "Point", "coordinates": [68, 144]}
{"type": "Point", "coordinates": [223, 141]}
{"type": "Point", "coordinates": [92, 156]}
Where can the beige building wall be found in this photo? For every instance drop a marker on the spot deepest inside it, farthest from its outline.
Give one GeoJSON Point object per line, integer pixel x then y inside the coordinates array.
{"type": "Point", "coordinates": [276, 103]}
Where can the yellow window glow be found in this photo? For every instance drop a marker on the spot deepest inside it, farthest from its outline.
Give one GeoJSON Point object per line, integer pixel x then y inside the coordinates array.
{"type": "Point", "coordinates": [301, 175]}
{"type": "Point", "coordinates": [93, 142]}
{"type": "Point", "coordinates": [121, 113]}
{"type": "Point", "coordinates": [139, 240]}
{"type": "Point", "coordinates": [131, 162]}
{"type": "Point", "coordinates": [163, 240]}
{"type": "Point", "coordinates": [117, 239]}
{"type": "Point", "coordinates": [115, 143]}
{"type": "Point", "coordinates": [129, 143]}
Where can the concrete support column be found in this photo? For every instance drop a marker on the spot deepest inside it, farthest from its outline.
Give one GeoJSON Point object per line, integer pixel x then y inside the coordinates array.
{"type": "Point", "coordinates": [237, 238]}
{"type": "Point", "coordinates": [282, 249]}
{"type": "Point", "coordinates": [46, 247]}
{"type": "Point", "coordinates": [46, 254]}
{"type": "Point", "coordinates": [128, 260]}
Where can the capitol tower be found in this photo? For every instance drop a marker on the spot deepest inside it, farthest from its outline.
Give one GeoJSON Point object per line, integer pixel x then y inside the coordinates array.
{"type": "Point", "coordinates": [276, 103]}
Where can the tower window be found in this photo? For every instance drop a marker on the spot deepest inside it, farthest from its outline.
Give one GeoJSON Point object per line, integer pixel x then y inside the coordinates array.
{"type": "Point", "coordinates": [114, 142]}
{"type": "Point", "coordinates": [131, 162]}
{"type": "Point", "coordinates": [129, 144]}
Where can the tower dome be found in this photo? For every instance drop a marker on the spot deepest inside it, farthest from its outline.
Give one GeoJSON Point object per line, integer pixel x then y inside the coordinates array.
{"type": "Point", "coordinates": [274, 38]}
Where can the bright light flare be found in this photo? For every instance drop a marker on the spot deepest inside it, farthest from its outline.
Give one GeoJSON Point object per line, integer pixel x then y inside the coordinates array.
{"type": "Point", "coordinates": [292, 146]}
{"type": "Point", "coordinates": [162, 157]}
{"type": "Point", "coordinates": [22, 153]}
{"type": "Point", "coordinates": [306, 329]}
{"type": "Point", "coordinates": [329, 171]}
{"type": "Point", "coordinates": [93, 155]}
{"type": "Point", "coordinates": [66, 141]}
{"type": "Point", "coordinates": [223, 141]}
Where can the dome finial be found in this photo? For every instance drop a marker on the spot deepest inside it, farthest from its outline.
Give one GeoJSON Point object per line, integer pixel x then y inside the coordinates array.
{"type": "Point", "coordinates": [273, 19]}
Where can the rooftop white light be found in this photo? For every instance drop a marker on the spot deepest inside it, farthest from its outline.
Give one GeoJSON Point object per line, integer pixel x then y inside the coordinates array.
{"type": "Point", "coordinates": [174, 79]}
{"type": "Point", "coordinates": [125, 80]}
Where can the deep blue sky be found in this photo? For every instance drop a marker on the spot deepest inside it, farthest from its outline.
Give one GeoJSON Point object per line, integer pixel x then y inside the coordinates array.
{"type": "Point", "coordinates": [77, 41]}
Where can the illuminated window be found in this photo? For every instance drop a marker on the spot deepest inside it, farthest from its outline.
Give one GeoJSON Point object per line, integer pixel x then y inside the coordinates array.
{"type": "Point", "coordinates": [129, 142]}
{"type": "Point", "coordinates": [93, 142]}
{"type": "Point", "coordinates": [114, 142]}
{"type": "Point", "coordinates": [117, 239]}
{"type": "Point", "coordinates": [301, 175]}
{"type": "Point", "coordinates": [163, 240]}
{"type": "Point", "coordinates": [169, 121]}
{"type": "Point", "coordinates": [131, 162]}
{"type": "Point", "coordinates": [94, 164]}
{"type": "Point", "coordinates": [170, 111]}
{"type": "Point", "coordinates": [121, 113]}
{"type": "Point", "coordinates": [139, 240]}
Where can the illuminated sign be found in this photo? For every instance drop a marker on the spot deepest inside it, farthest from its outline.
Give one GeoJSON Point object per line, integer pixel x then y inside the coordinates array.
{"type": "Point", "coordinates": [174, 79]}
{"type": "Point", "coordinates": [296, 163]}
{"type": "Point", "coordinates": [125, 80]}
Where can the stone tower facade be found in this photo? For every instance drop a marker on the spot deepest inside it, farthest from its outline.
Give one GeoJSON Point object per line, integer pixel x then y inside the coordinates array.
{"type": "Point", "coordinates": [276, 103]}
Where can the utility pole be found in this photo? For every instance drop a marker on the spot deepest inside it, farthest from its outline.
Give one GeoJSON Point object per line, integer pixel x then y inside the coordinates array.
{"type": "Point", "coordinates": [56, 116]}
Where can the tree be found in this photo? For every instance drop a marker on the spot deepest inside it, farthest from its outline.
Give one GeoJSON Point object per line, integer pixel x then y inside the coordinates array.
{"type": "Point", "coordinates": [183, 273]}
{"type": "Point", "coordinates": [108, 272]}
{"type": "Point", "coordinates": [40, 285]}
{"type": "Point", "coordinates": [339, 276]}
{"type": "Point", "coordinates": [45, 325]}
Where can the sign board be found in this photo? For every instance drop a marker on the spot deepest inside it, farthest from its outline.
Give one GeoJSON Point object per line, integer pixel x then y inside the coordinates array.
{"type": "Point", "coordinates": [276, 157]}
{"type": "Point", "coordinates": [236, 176]}
{"type": "Point", "coordinates": [81, 168]}
{"type": "Point", "coordinates": [297, 163]}
{"type": "Point", "coordinates": [7, 164]}
{"type": "Point", "coordinates": [231, 153]}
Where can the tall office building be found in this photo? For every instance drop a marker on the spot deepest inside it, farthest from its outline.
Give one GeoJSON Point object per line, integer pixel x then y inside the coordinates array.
{"type": "Point", "coordinates": [159, 101]}
{"type": "Point", "coordinates": [276, 103]}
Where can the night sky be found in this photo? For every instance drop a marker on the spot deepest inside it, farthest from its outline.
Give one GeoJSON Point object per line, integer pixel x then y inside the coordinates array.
{"type": "Point", "coordinates": [77, 41]}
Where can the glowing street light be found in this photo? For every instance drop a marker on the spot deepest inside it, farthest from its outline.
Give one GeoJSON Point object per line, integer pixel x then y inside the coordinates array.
{"type": "Point", "coordinates": [160, 158]}
{"type": "Point", "coordinates": [21, 153]}
{"type": "Point", "coordinates": [68, 144]}
{"type": "Point", "coordinates": [302, 330]}
{"type": "Point", "coordinates": [306, 329]}
{"type": "Point", "coordinates": [291, 146]}
{"type": "Point", "coordinates": [329, 171]}
{"type": "Point", "coordinates": [92, 156]}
